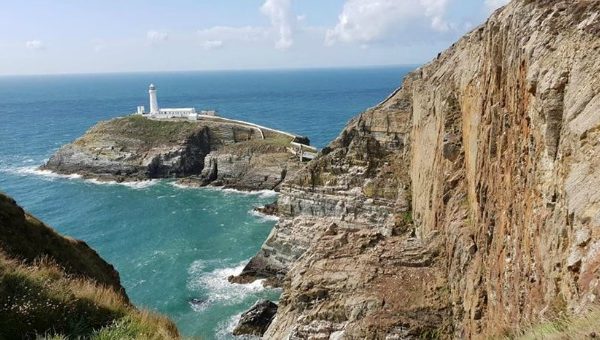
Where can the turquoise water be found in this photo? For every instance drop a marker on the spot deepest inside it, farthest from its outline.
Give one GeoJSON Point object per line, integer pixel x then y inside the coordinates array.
{"type": "Point", "coordinates": [170, 244]}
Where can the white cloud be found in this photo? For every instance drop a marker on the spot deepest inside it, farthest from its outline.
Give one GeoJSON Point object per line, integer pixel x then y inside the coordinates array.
{"type": "Point", "coordinates": [156, 36]}
{"type": "Point", "coordinates": [212, 44]}
{"type": "Point", "coordinates": [35, 45]}
{"type": "Point", "coordinates": [282, 20]}
{"type": "Point", "coordinates": [369, 21]}
{"type": "Point", "coordinates": [492, 5]}
{"type": "Point", "coordinates": [283, 24]}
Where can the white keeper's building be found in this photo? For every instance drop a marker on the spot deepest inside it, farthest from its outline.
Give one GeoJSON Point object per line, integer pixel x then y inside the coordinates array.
{"type": "Point", "coordinates": [158, 113]}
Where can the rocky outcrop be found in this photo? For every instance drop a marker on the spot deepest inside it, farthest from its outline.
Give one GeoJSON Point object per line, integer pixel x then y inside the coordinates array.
{"type": "Point", "coordinates": [206, 152]}
{"type": "Point", "coordinates": [270, 209]}
{"type": "Point", "coordinates": [256, 320]}
{"type": "Point", "coordinates": [465, 204]}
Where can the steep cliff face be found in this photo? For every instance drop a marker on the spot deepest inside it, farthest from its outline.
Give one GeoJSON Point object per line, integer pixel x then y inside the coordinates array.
{"type": "Point", "coordinates": [215, 151]}
{"type": "Point", "coordinates": [54, 285]}
{"type": "Point", "coordinates": [463, 205]}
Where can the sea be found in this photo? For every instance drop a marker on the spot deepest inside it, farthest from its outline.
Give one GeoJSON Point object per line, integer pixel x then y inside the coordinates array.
{"type": "Point", "coordinates": [173, 246]}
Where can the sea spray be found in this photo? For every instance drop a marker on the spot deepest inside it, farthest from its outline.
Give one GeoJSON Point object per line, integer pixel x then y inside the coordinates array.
{"type": "Point", "coordinates": [260, 193]}
{"type": "Point", "coordinates": [262, 216]}
{"type": "Point", "coordinates": [51, 175]}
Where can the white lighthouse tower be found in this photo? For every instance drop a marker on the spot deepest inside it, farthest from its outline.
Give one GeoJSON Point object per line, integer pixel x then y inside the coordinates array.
{"type": "Point", "coordinates": [153, 100]}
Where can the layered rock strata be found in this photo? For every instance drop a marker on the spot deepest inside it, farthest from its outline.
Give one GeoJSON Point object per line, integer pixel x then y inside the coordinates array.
{"type": "Point", "coordinates": [465, 204]}
{"type": "Point", "coordinates": [206, 152]}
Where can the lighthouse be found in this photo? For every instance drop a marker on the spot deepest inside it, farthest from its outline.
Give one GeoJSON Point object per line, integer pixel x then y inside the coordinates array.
{"type": "Point", "coordinates": [173, 113]}
{"type": "Point", "coordinates": [153, 100]}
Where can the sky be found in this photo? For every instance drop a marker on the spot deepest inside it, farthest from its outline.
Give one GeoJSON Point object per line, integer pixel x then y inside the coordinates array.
{"type": "Point", "coordinates": [100, 36]}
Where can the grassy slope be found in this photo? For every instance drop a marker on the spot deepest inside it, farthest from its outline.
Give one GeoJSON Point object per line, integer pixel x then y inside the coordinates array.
{"type": "Point", "coordinates": [24, 237]}
{"type": "Point", "coordinates": [40, 299]}
{"type": "Point", "coordinates": [157, 132]}
{"type": "Point", "coordinates": [56, 286]}
{"type": "Point", "coordinates": [584, 326]}
{"type": "Point", "coordinates": [152, 132]}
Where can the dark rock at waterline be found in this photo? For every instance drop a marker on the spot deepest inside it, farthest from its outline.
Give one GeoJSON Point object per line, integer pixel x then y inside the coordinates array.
{"type": "Point", "coordinates": [257, 319]}
{"type": "Point", "coordinates": [196, 302]}
{"type": "Point", "coordinates": [257, 269]}
{"type": "Point", "coordinates": [268, 209]}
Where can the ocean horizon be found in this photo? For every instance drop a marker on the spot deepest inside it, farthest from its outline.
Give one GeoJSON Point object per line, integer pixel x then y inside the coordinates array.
{"type": "Point", "coordinates": [233, 70]}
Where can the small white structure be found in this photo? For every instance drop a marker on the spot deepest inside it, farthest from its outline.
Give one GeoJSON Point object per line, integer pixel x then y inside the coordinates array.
{"type": "Point", "coordinates": [158, 113]}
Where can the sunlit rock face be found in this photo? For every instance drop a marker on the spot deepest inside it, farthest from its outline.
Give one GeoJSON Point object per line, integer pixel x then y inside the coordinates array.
{"type": "Point", "coordinates": [465, 204]}
{"type": "Point", "coordinates": [214, 152]}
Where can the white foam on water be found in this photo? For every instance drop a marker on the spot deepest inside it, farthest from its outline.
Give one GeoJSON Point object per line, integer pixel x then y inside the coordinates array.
{"type": "Point", "coordinates": [34, 170]}
{"type": "Point", "coordinates": [263, 217]}
{"type": "Point", "coordinates": [48, 174]}
{"type": "Point", "coordinates": [225, 329]}
{"type": "Point", "coordinates": [218, 288]}
{"type": "Point", "coordinates": [268, 193]}
{"type": "Point", "coordinates": [133, 185]}
{"type": "Point", "coordinates": [181, 186]}
{"type": "Point", "coordinates": [197, 267]}
{"type": "Point", "coordinates": [259, 193]}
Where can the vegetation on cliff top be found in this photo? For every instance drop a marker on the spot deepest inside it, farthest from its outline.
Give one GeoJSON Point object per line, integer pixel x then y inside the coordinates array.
{"type": "Point", "coordinates": [147, 130]}
{"type": "Point", "coordinates": [26, 238]}
{"type": "Point", "coordinates": [157, 132]}
{"type": "Point", "coordinates": [584, 326]}
{"type": "Point", "coordinates": [52, 285]}
{"type": "Point", "coordinates": [42, 300]}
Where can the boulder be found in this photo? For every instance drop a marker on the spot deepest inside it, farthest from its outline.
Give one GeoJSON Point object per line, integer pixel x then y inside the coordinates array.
{"type": "Point", "coordinates": [257, 319]}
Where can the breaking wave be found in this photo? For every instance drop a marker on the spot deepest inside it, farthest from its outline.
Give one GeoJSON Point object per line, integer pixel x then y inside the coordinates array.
{"type": "Point", "coordinates": [259, 193]}
{"type": "Point", "coordinates": [263, 217]}
{"type": "Point", "coordinates": [216, 286]}
{"type": "Point", "coordinates": [50, 175]}
{"type": "Point", "coordinates": [36, 171]}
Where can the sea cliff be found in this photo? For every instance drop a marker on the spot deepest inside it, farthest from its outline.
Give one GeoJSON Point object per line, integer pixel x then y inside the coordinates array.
{"type": "Point", "coordinates": [211, 151]}
{"type": "Point", "coordinates": [463, 206]}
{"type": "Point", "coordinates": [51, 285]}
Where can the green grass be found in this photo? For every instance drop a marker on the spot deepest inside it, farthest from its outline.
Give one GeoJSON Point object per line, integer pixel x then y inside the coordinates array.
{"type": "Point", "coordinates": [156, 132]}
{"type": "Point", "coordinates": [148, 130]}
{"type": "Point", "coordinates": [56, 287]}
{"type": "Point", "coordinates": [582, 326]}
{"type": "Point", "coordinates": [40, 299]}
{"type": "Point", "coordinates": [278, 144]}
{"type": "Point", "coordinates": [26, 238]}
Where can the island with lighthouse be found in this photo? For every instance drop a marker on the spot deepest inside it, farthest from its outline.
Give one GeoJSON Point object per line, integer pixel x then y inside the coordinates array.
{"type": "Point", "coordinates": [193, 147]}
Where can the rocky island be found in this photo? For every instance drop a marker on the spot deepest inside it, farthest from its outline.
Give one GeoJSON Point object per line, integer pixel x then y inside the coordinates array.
{"type": "Point", "coordinates": [465, 205]}
{"type": "Point", "coordinates": [209, 151]}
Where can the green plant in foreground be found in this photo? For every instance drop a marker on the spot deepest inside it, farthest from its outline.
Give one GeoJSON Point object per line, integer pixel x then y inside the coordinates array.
{"type": "Point", "coordinates": [41, 300]}
{"type": "Point", "coordinates": [583, 326]}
